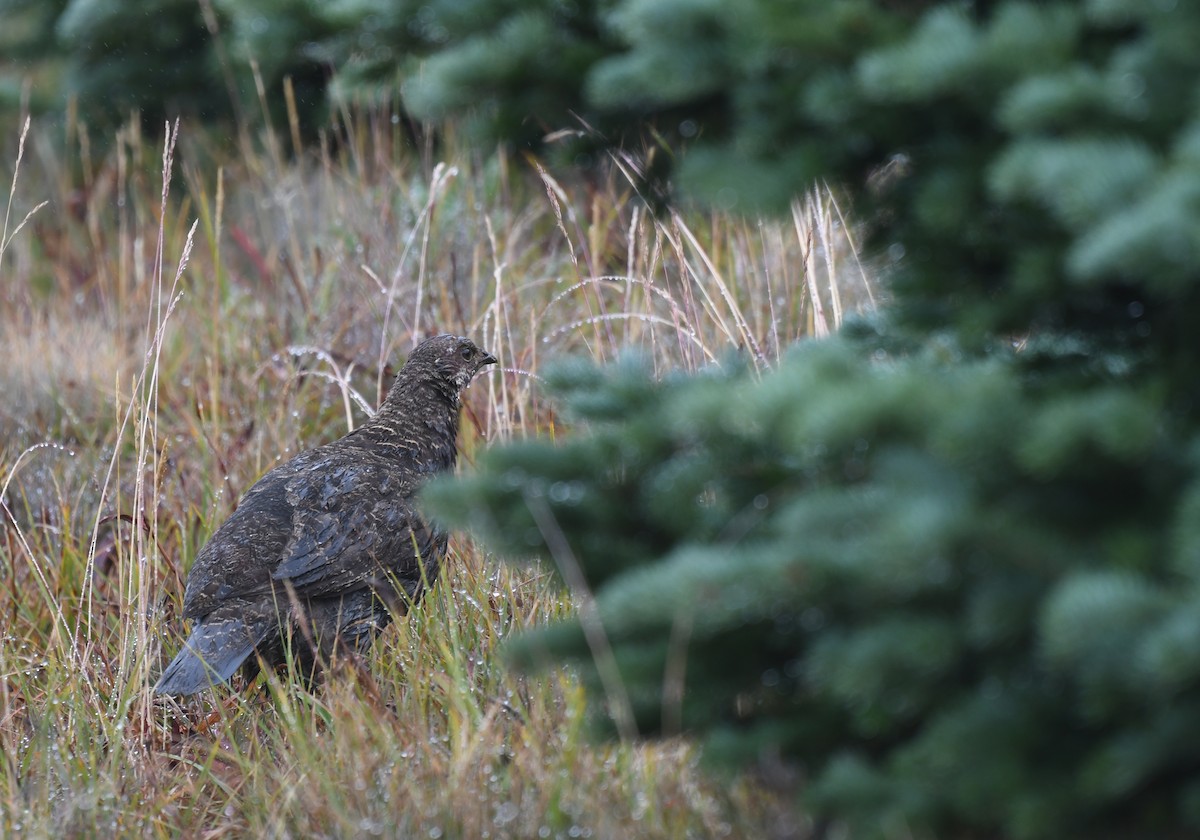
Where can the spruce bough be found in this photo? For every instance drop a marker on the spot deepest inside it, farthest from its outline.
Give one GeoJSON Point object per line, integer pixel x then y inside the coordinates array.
{"type": "Point", "coordinates": [946, 562]}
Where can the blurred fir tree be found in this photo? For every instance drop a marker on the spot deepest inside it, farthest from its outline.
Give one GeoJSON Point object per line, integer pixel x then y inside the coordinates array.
{"type": "Point", "coordinates": [948, 561]}
{"type": "Point", "coordinates": [167, 58]}
{"type": "Point", "coordinates": [152, 57]}
{"type": "Point", "coordinates": [26, 39]}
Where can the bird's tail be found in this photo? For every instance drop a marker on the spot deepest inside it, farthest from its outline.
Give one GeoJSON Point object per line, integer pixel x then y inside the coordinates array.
{"type": "Point", "coordinates": [212, 653]}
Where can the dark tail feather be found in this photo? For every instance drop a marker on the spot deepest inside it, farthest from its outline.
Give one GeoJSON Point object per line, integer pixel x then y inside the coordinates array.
{"type": "Point", "coordinates": [210, 655]}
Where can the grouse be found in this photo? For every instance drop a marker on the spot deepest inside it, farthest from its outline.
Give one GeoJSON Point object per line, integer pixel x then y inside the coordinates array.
{"type": "Point", "coordinates": [323, 548]}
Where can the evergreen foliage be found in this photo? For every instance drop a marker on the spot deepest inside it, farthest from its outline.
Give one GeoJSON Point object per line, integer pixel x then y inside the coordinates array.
{"type": "Point", "coordinates": [154, 58]}
{"type": "Point", "coordinates": [947, 561]}
{"type": "Point", "coordinates": [30, 27]}
{"type": "Point", "coordinates": [162, 58]}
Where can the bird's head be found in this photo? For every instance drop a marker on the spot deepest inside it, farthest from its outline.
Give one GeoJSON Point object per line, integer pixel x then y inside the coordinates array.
{"type": "Point", "coordinates": [449, 359]}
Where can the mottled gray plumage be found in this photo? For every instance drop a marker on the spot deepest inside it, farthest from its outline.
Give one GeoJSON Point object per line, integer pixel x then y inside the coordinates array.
{"type": "Point", "coordinates": [323, 547]}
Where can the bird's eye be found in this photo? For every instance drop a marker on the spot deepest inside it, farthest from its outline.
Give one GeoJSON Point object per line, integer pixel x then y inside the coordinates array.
{"type": "Point", "coordinates": [468, 353]}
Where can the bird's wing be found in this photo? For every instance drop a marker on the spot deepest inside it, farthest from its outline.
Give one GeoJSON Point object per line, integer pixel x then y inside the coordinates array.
{"type": "Point", "coordinates": [239, 557]}
{"type": "Point", "coordinates": [354, 525]}
{"type": "Point", "coordinates": [329, 520]}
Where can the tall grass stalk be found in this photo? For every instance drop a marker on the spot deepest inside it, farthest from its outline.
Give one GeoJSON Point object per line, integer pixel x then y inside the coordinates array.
{"type": "Point", "coordinates": [5, 235]}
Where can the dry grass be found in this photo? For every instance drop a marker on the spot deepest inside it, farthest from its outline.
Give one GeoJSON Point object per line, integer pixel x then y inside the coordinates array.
{"type": "Point", "coordinates": [152, 373]}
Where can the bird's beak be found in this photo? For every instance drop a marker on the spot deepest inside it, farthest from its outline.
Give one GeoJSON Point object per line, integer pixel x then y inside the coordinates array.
{"type": "Point", "coordinates": [488, 359]}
